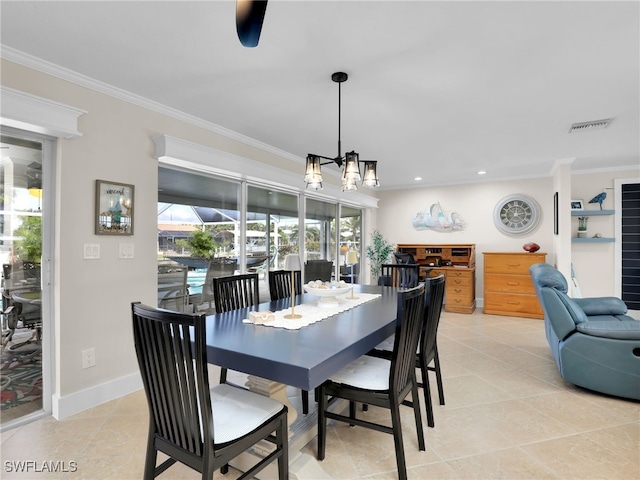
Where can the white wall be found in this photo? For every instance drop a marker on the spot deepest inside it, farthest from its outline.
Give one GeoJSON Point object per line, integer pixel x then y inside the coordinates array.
{"type": "Point", "coordinates": [593, 262]}
{"type": "Point", "coordinates": [475, 204]}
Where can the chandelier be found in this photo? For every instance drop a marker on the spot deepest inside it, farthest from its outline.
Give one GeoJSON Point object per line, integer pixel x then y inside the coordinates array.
{"type": "Point", "coordinates": [350, 163]}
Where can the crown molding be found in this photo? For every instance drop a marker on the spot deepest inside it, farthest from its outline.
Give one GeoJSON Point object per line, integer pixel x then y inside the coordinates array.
{"type": "Point", "coordinates": [19, 57]}
{"type": "Point", "coordinates": [30, 112]}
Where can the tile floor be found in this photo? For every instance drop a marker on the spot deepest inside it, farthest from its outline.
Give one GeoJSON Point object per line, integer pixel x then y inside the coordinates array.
{"type": "Point", "coordinates": [507, 415]}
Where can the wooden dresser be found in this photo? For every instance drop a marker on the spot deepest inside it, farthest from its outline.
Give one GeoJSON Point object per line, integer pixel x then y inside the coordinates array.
{"type": "Point", "coordinates": [508, 289]}
{"type": "Point", "coordinates": [457, 262]}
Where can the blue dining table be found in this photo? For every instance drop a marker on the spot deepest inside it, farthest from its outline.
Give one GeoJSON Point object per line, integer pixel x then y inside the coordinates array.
{"type": "Point", "coordinates": [302, 358]}
{"type": "Point", "coordinates": [306, 357]}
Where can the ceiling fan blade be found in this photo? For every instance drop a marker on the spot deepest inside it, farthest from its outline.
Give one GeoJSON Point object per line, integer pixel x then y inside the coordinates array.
{"type": "Point", "coordinates": [249, 18]}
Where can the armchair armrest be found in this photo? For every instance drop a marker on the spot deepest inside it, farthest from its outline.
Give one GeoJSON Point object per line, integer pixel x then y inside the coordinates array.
{"type": "Point", "coordinates": [601, 306]}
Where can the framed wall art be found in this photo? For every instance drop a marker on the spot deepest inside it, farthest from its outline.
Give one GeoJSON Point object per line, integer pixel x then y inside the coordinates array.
{"type": "Point", "coordinates": [114, 208]}
{"type": "Point", "coordinates": [577, 205]}
{"type": "Point", "coordinates": [555, 214]}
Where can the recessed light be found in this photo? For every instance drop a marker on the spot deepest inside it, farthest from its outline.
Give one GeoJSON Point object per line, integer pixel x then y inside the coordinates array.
{"type": "Point", "coordinates": [417, 179]}
{"type": "Point", "coordinates": [482, 172]}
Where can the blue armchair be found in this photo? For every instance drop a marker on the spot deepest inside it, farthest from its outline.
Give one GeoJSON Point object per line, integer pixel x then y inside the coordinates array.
{"type": "Point", "coordinates": [595, 344]}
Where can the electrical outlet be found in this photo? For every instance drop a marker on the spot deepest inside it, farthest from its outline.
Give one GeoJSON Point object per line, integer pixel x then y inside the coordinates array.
{"type": "Point", "coordinates": [89, 358]}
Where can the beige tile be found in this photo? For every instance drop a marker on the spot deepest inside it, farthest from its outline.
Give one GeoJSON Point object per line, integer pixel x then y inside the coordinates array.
{"type": "Point", "coordinates": [629, 409]}
{"type": "Point", "coordinates": [51, 440]}
{"type": "Point", "coordinates": [508, 414]}
{"type": "Point", "coordinates": [459, 433]}
{"type": "Point", "coordinates": [518, 383]}
{"type": "Point", "coordinates": [478, 362]}
{"type": "Point", "coordinates": [471, 390]}
{"type": "Point", "coordinates": [574, 409]}
{"type": "Point", "coordinates": [623, 439]}
{"type": "Point", "coordinates": [581, 458]}
{"type": "Point", "coordinates": [505, 464]}
{"type": "Point", "coordinates": [549, 374]}
{"type": "Point", "coordinates": [121, 435]}
{"type": "Point", "coordinates": [440, 470]}
{"type": "Point", "coordinates": [518, 422]}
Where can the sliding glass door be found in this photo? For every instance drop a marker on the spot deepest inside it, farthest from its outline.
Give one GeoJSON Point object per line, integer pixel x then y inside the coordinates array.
{"type": "Point", "coordinates": [22, 210]}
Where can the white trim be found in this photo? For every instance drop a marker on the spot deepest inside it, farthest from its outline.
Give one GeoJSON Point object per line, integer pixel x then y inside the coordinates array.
{"type": "Point", "coordinates": [77, 402]}
{"type": "Point", "coordinates": [181, 153]}
{"type": "Point", "coordinates": [603, 170]}
{"type": "Point", "coordinates": [36, 63]}
{"type": "Point", "coordinates": [36, 114]}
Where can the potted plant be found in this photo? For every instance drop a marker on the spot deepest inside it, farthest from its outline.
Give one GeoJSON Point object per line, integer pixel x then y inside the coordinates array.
{"type": "Point", "coordinates": [582, 227]}
{"type": "Point", "coordinates": [378, 252]}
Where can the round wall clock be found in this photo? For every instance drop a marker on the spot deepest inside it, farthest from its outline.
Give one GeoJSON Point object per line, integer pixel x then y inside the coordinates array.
{"type": "Point", "coordinates": [516, 214]}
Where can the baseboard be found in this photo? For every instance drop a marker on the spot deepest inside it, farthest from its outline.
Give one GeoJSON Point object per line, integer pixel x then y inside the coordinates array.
{"type": "Point", "coordinates": [63, 407]}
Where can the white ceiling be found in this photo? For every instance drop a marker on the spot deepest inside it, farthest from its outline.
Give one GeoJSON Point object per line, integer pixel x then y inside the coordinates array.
{"type": "Point", "coordinates": [436, 89]}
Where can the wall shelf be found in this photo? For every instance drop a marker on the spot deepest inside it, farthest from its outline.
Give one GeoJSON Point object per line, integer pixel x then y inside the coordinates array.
{"type": "Point", "coordinates": [593, 240]}
{"type": "Point", "coordinates": [590, 213]}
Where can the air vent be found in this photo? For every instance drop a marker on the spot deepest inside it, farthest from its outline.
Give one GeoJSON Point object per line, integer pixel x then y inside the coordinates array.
{"type": "Point", "coordinates": [592, 125]}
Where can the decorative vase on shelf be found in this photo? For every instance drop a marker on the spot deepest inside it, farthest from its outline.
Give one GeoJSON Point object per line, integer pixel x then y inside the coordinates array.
{"type": "Point", "coordinates": [582, 227]}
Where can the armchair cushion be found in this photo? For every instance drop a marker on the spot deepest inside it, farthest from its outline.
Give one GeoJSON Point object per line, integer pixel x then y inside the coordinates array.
{"type": "Point", "coordinates": [623, 330]}
{"type": "Point", "coordinates": [602, 306]}
{"type": "Point", "coordinates": [577, 314]}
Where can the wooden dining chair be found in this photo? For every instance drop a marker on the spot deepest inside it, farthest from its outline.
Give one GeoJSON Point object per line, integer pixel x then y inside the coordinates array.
{"type": "Point", "coordinates": [427, 346]}
{"type": "Point", "coordinates": [381, 382]}
{"type": "Point", "coordinates": [232, 293]}
{"type": "Point", "coordinates": [279, 288]}
{"type": "Point", "coordinates": [399, 275]}
{"type": "Point", "coordinates": [188, 421]}
{"type": "Point", "coordinates": [280, 284]}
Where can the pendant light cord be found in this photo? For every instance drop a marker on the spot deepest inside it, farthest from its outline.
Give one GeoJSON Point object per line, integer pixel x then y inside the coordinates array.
{"type": "Point", "coordinates": [339, 119]}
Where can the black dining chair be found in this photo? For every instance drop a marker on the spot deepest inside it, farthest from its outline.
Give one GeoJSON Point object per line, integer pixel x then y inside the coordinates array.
{"type": "Point", "coordinates": [428, 346]}
{"type": "Point", "coordinates": [232, 293]}
{"type": "Point", "coordinates": [188, 421]}
{"type": "Point", "coordinates": [399, 275]}
{"type": "Point", "coordinates": [381, 382]}
{"type": "Point", "coordinates": [280, 284]}
{"type": "Point", "coordinates": [279, 288]}
{"type": "Point", "coordinates": [318, 270]}
{"type": "Point", "coordinates": [404, 258]}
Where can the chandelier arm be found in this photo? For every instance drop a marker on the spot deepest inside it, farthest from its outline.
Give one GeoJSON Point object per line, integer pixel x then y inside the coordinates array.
{"type": "Point", "coordinates": [338, 160]}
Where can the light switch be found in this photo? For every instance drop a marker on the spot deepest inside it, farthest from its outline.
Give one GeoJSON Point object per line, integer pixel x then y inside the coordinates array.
{"type": "Point", "coordinates": [126, 250]}
{"type": "Point", "coordinates": [91, 251]}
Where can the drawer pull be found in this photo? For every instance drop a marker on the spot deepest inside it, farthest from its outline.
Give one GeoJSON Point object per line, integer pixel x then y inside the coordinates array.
{"type": "Point", "coordinates": [513, 264]}
{"type": "Point", "coordinates": [457, 290]}
{"type": "Point", "coordinates": [513, 283]}
{"type": "Point", "coordinates": [513, 303]}
{"type": "Point", "coordinates": [458, 282]}
{"type": "Point", "coordinates": [458, 300]}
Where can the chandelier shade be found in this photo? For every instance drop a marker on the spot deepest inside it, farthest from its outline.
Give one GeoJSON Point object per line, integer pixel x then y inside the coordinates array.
{"type": "Point", "coordinates": [350, 163]}
{"type": "Point", "coordinates": [313, 175]}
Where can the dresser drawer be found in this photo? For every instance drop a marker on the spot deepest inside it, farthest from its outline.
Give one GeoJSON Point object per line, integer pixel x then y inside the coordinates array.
{"type": "Point", "coordinates": [508, 283]}
{"type": "Point", "coordinates": [514, 263]}
{"type": "Point", "coordinates": [459, 273]}
{"type": "Point", "coordinates": [459, 281]}
{"type": "Point", "coordinates": [517, 304]}
{"type": "Point", "coordinates": [437, 272]}
{"type": "Point", "coordinates": [459, 291]}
